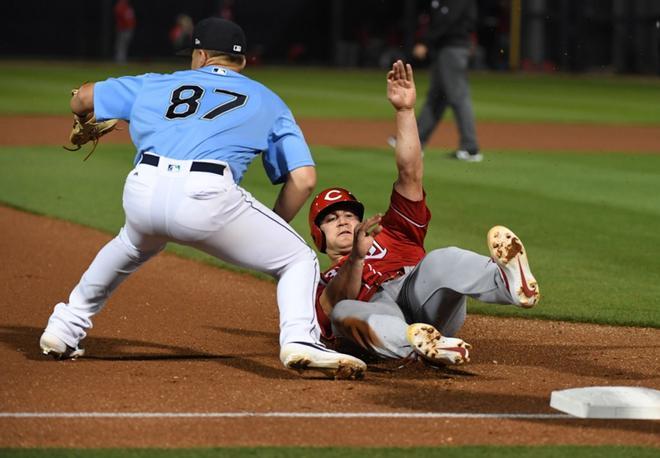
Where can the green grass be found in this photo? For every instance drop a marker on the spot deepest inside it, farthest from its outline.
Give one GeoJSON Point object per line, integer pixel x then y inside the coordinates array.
{"type": "Point", "coordinates": [43, 88]}
{"type": "Point", "coordinates": [294, 452]}
{"type": "Point", "coordinates": [590, 222]}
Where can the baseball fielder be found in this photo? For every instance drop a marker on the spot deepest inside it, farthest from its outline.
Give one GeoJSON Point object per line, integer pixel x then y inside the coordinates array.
{"type": "Point", "coordinates": [196, 131]}
{"type": "Point", "coordinates": [383, 291]}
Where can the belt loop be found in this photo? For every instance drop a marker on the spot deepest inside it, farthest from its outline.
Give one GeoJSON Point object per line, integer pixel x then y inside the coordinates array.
{"type": "Point", "coordinates": [149, 159]}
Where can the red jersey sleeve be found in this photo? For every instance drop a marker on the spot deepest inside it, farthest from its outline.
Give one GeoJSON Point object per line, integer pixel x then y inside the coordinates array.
{"type": "Point", "coordinates": [407, 217]}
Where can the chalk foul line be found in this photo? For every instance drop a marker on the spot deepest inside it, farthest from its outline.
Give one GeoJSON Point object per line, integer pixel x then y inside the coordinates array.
{"type": "Point", "coordinates": [404, 415]}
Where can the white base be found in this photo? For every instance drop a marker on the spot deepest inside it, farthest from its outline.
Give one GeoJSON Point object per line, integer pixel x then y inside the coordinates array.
{"type": "Point", "coordinates": [608, 402]}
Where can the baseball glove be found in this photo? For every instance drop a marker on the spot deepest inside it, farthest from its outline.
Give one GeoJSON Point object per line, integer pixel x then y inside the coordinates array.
{"type": "Point", "coordinates": [88, 130]}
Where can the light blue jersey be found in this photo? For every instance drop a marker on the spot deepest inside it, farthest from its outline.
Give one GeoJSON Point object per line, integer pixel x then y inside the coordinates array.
{"type": "Point", "coordinates": [208, 113]}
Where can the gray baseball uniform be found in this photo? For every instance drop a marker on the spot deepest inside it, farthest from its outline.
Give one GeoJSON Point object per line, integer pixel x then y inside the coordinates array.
{"type": "Point", "coordinates": [434, 292]}
{"type": "Point", "coordinates": [401, 284]}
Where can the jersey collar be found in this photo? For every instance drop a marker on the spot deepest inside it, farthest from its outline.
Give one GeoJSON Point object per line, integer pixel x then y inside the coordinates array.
{"type": "Point", "coordinates": [219, 70]}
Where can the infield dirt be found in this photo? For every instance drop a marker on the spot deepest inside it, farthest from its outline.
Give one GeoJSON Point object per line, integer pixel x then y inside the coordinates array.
{"type": "Point", "coordinates": [54, 130]}
{"type": "Point", "coordinates": [180, 336]}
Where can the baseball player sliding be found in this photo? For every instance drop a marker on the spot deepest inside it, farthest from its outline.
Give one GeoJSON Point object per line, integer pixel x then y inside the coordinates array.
{"type": "Point", "coordinates": [383, 291]}
{"type": "Point", "coordinates": [196, 132]}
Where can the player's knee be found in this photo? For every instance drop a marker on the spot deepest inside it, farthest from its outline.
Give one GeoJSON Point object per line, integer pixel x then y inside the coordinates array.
{"type": "Point", "coordinates": [304, 255]}
{"type": "Point", "coordinates": [442, 260]}
{"type": "Point", "coordinates": [341, 310]}
{"type": "Point", "coordinates": [301, 262]}
{"type": "Point", "coordinates": [444, 255]}
{"type": "Point", "coordinates": [134, 253]}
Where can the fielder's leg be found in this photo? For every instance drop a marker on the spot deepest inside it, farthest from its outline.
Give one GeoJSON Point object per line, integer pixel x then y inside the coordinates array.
{"type": "Point", "coordinates": [123, 255]}
{"type": "Point", "coordinates": [253, 236]}
{"type": "Point", "coordinates": [69, 322]}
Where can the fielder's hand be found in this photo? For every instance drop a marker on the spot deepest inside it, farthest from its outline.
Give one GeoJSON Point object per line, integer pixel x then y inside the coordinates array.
{"type": "Point", "coordinates": [87, 130]}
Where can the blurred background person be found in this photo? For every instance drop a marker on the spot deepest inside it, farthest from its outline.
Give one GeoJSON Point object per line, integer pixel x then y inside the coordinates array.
{"type": "Point", "coordinates": [226, 10]}
{"type": "Point", "coordinates": [181, 32]}
{"type": "Point", "coordinates": [448, 42]}
{"type": "Point", "coordinates": [124, 28]}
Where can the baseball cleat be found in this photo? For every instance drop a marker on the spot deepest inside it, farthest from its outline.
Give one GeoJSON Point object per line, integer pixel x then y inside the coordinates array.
{"type": "Point", "coordinates": [467, 156]}
{"type": "Point", "coordinates": [434, 347]}
{"type": "Point", "coordinates": [508, 252]}
{"type": "Point", "coordinates": [303, 356]}
{"type": "Point", "coordinates": [52, 345]}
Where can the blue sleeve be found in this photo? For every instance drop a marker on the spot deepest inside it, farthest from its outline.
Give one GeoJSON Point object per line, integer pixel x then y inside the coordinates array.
{"type": "Point", "coordinates": [114, 97]}
{"type": "Point", "coordinates": [287, 149]}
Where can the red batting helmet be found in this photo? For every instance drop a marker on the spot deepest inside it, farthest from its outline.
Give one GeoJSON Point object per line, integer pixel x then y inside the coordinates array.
{"type": "Point", "coordinates": [323, 204]}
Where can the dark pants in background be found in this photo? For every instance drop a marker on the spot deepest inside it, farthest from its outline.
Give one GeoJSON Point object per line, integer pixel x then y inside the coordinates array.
{"type": "Point", "coordinates": [449, 86]}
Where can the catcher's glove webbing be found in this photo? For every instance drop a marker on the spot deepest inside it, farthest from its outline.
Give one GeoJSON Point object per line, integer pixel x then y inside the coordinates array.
{"type": "Point", "coordinates": [86, 130]}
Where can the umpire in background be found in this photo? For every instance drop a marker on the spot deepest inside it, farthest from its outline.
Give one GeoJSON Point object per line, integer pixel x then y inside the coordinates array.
{"type": "Point", "coordinates": [448, 43]}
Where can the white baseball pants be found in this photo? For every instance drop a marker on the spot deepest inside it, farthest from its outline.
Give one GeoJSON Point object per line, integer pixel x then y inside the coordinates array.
{"type": "Point", "coordinates": [168, 202]}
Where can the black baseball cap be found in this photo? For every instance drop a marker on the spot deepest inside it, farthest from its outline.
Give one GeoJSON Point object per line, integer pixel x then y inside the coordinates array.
{"type": "Point", "coordinates": [216, 34]}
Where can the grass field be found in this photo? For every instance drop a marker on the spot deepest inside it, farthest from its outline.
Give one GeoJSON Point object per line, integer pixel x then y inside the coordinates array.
{"type": "Point", "coordinates": [589, 221]}
{"type": "Point", "coordinates": [43, 87]}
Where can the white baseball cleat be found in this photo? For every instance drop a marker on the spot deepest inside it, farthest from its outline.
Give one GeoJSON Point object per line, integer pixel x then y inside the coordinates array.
{"type": "Point", "coordinates": [508, 252]}
{"type": "Point", "coordinates": [54, 346]}
{"type": "Point", "coordinates": [466, 156]}
{"type": "Point", "coordinates": [304, 356]}
{"type": "Point", "coordinates": [427, 342]}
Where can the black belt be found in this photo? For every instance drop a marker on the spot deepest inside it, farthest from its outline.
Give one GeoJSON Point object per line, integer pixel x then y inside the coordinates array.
{"type": "Point", "coordinates": [196, 166]}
